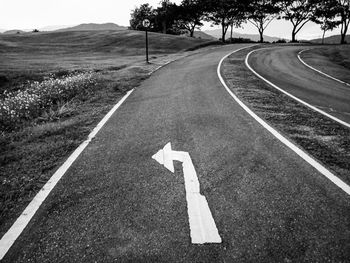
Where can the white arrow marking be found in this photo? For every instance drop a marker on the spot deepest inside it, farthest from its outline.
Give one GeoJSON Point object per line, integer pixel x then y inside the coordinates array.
{"type": "Point", "coordinates": [202, 225]}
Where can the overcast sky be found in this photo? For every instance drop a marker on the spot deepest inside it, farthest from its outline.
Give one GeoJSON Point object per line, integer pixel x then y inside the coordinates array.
{"type": "Point", "coordinates": [30, 14]}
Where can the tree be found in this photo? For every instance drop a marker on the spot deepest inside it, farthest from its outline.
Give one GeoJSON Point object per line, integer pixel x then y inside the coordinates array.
{"type": "Point", "coordinates": [225, 13]}
{"type": "Point", "coordinates": [189, 15]}
{"type": "Point", "coordinates": [344, 12]}
{"type": "Point", "coordinates": [165, 17]}
{"type": "Point", "coordinates": [325, 15]}
{"type": "Point", "coordinates": [145, 11]}
{"type": "Point", "coordinates": [162, 18]}
{"type": "Point", "coordinates": [298, 12]}
{"type": "Point", "coordinates": [260, 13]}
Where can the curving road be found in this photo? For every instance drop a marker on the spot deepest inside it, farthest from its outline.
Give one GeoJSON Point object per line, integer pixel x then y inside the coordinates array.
{"type": "Point", "coordinates": [282, 67]}
{"type": "Point", "coordinates": [117, 204]}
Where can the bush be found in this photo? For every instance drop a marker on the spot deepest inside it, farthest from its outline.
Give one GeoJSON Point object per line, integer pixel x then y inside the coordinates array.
{"type": "Point", "coordinates": [240, 40]}
{"type": "Point", "coordinates": [280, 41]}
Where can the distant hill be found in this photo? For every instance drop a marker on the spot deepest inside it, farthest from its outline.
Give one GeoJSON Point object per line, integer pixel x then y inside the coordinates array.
{"type": "Point", "coordinates": [14, 31]}
{"type": "Point", "coordinates": [255, 37]}
{"type": "Point", "coordinates": [331, 40]}
{"type": "Point", "coordinates": [94, 27]}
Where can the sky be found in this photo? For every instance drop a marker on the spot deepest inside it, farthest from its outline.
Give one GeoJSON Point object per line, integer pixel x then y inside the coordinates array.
{"type": "Point", "coordinates": [37, 14]}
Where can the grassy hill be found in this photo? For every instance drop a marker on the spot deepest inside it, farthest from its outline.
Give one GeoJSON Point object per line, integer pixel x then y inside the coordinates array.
{"type": "Point", "coordinates": [331, 40]}
{"type": "Point", "coordinates": [87, 49]}
{"type": "Point", "coordinates": [31, 56]}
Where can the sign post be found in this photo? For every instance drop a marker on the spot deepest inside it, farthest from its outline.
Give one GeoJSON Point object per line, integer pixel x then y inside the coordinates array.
{"type": "Point", "coordinates": [146, 23]}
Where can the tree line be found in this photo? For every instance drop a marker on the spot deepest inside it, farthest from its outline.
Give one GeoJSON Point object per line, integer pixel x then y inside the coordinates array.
{"type": "Point", "coordinates": [170, 18]}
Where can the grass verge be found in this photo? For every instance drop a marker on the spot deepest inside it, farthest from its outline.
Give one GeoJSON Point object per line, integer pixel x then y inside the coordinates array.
{"type": "Point", "coordinates": [321, 137]}
{"type": "Point", "coordinates": [331, 59]}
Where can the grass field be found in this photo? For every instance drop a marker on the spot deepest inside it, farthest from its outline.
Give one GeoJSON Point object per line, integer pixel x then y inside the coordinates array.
{"type": "Point", "coordinates": [331, 59]}
{"type": "Point", "coordinates": [102, 65]}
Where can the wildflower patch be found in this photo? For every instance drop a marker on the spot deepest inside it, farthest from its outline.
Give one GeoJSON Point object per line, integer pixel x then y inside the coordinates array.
{"type": "Point", "coordinates": [30, 102]}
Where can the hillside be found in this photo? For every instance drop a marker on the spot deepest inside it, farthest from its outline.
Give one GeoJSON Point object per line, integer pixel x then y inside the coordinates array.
{"type": "Point", "coordinates": [54, 27]}
{"type": "Point", "coordinates": [331, 40]}
{"type": "Point", "coordinates": [86, 48]}
{"type": "Point", "coordinates": [255, 37]}
{"type": "Point", "coordinates": [94, 27]}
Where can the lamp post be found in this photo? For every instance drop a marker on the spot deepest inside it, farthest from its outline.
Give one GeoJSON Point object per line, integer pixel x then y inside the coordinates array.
{"type": "Point", "coordinates": [146, 23]}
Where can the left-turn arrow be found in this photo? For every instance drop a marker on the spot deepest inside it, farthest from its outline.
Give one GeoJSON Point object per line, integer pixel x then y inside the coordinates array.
{"type": "Point", "coordinates": [202, 225]}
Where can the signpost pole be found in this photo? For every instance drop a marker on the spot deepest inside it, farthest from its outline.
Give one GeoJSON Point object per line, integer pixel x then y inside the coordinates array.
{"type": "Point", "coordinates": [146, 24]}
{"type": "Point", "coordinates": [147, 45]}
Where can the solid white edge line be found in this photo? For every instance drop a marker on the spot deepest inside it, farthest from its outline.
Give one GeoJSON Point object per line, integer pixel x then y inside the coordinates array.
{"type": "Point", "coordinates": [319, 167]}
{"type": "Point", "coordinates": [290, 95]}
{"type": "Point", "coordinates": [319, 71]}
{"type": "Point", "coordinates": [22, 221]}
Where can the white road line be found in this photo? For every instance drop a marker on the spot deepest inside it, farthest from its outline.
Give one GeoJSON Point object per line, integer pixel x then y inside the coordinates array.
{"type": "Point", "coordinates": [22, 221]}
{"type": "Point", "coordinates": [319, 71]}
{"type": "Point", "coordinates": [290, 95]}
{"type": "Point", "coordinates": [202, 225]}
{"type": "Point", "coordinates": [319, 167]}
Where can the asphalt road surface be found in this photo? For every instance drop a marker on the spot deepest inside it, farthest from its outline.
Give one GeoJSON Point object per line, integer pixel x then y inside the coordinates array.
{"type": "Point", "coordinates": [282, 67]}
{"type": "Point", "coordinates": [117, 204]}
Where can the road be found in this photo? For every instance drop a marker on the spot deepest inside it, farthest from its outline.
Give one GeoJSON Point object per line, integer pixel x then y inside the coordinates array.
{"type": "Point", "coordinates": [117, 204]}
{"type": "Point", "coordinates": [282, 67]}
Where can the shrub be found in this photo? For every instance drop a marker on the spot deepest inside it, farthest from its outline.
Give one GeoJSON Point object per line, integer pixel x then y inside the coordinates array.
{"type": "Point", "coordinates": [240, 40]}
{"type": "Point", "coordinates": [280, 41]}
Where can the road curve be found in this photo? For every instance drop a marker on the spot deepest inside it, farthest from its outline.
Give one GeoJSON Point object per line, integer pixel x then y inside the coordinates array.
{"type": "Point", "coordinates": [321, 72]}
{"type": "Point", "coordinates": [117, 204]}
{"type": "Point", "coordinates": [282, 67]}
